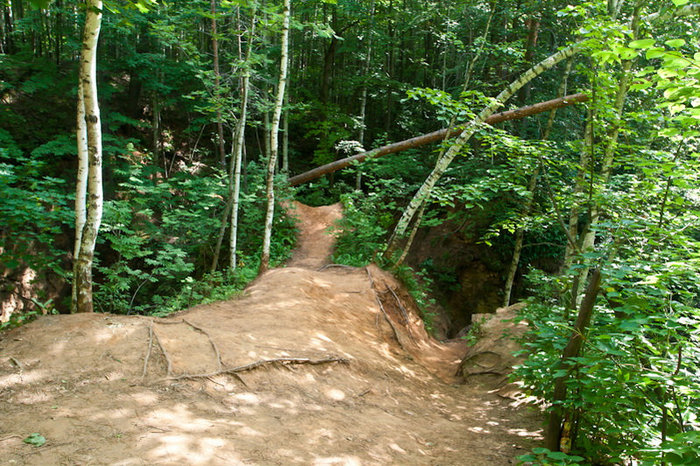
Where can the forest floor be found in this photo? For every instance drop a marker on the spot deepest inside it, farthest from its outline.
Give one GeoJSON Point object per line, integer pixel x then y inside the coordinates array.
{"type": "Point", "coordinates": [313, 365]}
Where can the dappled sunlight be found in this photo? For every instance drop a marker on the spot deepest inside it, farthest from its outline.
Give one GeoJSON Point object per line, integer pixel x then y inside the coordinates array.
{"type": "Point", "coordinates": [246, 398]}
{"type": "Point", "coordinates": [22, 378]}
{"type": "Point", "coordinates": [536, 434]}
{"type": "Point", "coordinates": [145, 398]}
{"type": "Point", "coordinates": [179, 415]}
{"type": "Point", "coordinates": [185, 449]}
{"type": "Point", "coordinates": [335, 394]}
{"type": "Point", "coordinates": [338, 460]}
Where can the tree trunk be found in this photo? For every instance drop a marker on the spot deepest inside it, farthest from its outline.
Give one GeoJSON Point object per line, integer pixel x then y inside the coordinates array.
{"type": "Point", "coordinates": [363, 92]}
{"type": "Point", "coordinates": [240, 146]}
{"type": "Point", "coordinates": [434, 137]}
{"type": "Point", "coordinates": [217, 86]}
{"type": "Point", "coordinates": [284, 58]}
{"type": "Point", "coordinates": [81, 188]}
{"type": "Point", "coordinates": [156, 131]}
{"type": "Point", "coordinates": [82, 281]}
{"type": "Point", "coordinates": [236, 156]}
{"type": "Point", "coordinates": [589, 236]}
{"type": "Point", "coordinates": [572, 349]}
{"type": "Point", "coordinates": [579, 187]}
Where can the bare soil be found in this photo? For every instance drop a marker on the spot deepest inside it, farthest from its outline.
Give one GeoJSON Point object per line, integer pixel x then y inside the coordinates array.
{"type": "Point", "coordinates": [314, 365]}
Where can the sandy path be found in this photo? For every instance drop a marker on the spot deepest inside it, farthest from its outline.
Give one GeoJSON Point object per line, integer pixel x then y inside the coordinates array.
{"type": "Point", "coordinates": [82, 381]}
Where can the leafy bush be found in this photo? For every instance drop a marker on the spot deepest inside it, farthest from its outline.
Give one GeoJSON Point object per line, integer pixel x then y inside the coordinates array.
{"type": "Point", "coordinates": [161, 233]}
{"type": "Point", "coordinates": [34, 210]}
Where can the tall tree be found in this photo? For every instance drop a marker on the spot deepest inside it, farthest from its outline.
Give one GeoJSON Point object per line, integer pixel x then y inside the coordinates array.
{"type": "Point", "coordinates": [217, 86]}
{"type": "Point", "coordinates": [274, 134]}
{"type": "Point", "coordinates": [90, 138]}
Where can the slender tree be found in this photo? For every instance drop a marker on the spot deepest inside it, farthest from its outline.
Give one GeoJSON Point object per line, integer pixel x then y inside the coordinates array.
{"type": "Point", "coordinates": [90, 136]}
{"type": "Point", "coordinates": [217, 86]}
{"type": "Point", "coordinates": [238, 137]}
{"type": "Point", "coordinates": [274, 130]}
{"type": "Point", "coordinates": [239, 142]}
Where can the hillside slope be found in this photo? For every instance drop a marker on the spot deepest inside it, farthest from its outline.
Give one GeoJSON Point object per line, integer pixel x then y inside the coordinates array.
{"type": "Point", "coordinates": [314, 364]}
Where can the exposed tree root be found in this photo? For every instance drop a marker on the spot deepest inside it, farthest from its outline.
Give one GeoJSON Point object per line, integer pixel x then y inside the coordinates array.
{"type": "Point", "coordinates": [165, 355]}
{"type": "Point", "coordinates": [369, 275]}
{"type": "Point", "coordinates": [397, 334]}
{"type": "Point", "coordinates": [340, 266]}
{"type": "Point", "coordinates": [391, 324]}
{"type": "Point", "coordinates": [262, 362]}
{"type": "Point", "coordinates": [219, 364]}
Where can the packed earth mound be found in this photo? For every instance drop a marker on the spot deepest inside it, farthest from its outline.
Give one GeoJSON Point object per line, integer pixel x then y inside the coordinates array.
{"type": "Point", "coordinates": [315, 364]}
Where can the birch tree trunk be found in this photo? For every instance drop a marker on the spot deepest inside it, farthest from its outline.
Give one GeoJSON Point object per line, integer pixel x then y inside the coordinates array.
{"type": "Point", "coordinates": [82, 280]}
{"type": "Point", "coordinates": [217, 85]}
{"type": "Point", "coordinates": [81, 188]}
{"type": "Point", "coordinates": [239, 143]}
{"type": "Point", "coordinates": [237, 146]}
{"type": "Point", "coordinates": [443, 162]}
{"type": "Point", "coordinates": [274, 130]}
{"type": "Point", "coordinates": [363, 92]}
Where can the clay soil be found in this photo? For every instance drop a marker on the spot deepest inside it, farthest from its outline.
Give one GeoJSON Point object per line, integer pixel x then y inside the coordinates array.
{"type": "Point", "coordinates": [314, 364]}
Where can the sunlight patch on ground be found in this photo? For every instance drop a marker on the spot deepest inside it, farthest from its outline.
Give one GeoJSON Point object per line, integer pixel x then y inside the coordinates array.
{"type": "Point", "coordinates": [145, 398]}
{"type": "Point", "coordinates": [335, 394]}
{"type": "Point", "coordinates": [22, 378]}
{"type": "Point", "coordinates": [247, 398]}
{"type": "Point", "coordinates": [339, 460]}
{"type": "Point", "coordinates": [183, 449]}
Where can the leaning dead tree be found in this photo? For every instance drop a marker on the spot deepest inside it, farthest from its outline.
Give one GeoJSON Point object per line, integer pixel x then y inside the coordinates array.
{"type": "Point", "coordinates": [435, 136]}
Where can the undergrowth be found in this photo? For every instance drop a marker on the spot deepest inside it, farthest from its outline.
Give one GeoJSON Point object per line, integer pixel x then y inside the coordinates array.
{"type": "Point", "coordinates": [361, 239]}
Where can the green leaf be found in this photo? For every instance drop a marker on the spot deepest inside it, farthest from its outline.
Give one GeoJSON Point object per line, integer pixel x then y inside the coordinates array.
{"type": "Point", "coordinates": [642, 43]}
{"type": "Point", "coordinates": [35, 439]}
{"type": "Point", "coordinates": [680, 2]}
{"type": "Point", "coordinates": [675, 43]}
{"type": "Point", "coordinates": [655, 53]}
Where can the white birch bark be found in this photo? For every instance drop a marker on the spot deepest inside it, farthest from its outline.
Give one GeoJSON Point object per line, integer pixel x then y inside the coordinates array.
{"type": "Point", "coordinates": [81, 188]}
{"type": "Point", "coordinates": [363, 93]}
{"type": "Point", "coordinates": [82, 280]}
{"type": "Point", "coordinates": [443, 162]}
{"type": "Point", "coordinates": [274, 130]}
{"type": "Point", "coordinates": [238, 147]}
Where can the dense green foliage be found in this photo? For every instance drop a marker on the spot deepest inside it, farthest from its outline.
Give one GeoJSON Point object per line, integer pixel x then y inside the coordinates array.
{"type": "Point", "coordinates": [615, 181]}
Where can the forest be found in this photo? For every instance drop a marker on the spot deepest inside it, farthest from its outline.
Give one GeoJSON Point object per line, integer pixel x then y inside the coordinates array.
{"type": "Point", "coordinates": [486, 153]}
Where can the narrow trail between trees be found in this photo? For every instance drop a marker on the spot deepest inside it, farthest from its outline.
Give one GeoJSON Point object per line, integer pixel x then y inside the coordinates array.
{"type": "Point", "coordinates": [315, 364]}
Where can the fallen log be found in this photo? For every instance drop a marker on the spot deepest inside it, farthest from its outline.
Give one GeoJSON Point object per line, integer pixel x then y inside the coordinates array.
{"type": "Point", "coordinates": [435, 136]}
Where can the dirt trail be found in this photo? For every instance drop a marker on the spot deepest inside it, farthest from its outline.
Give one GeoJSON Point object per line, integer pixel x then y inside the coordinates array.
{"type": "Point", "coordinates": [313, 365]}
